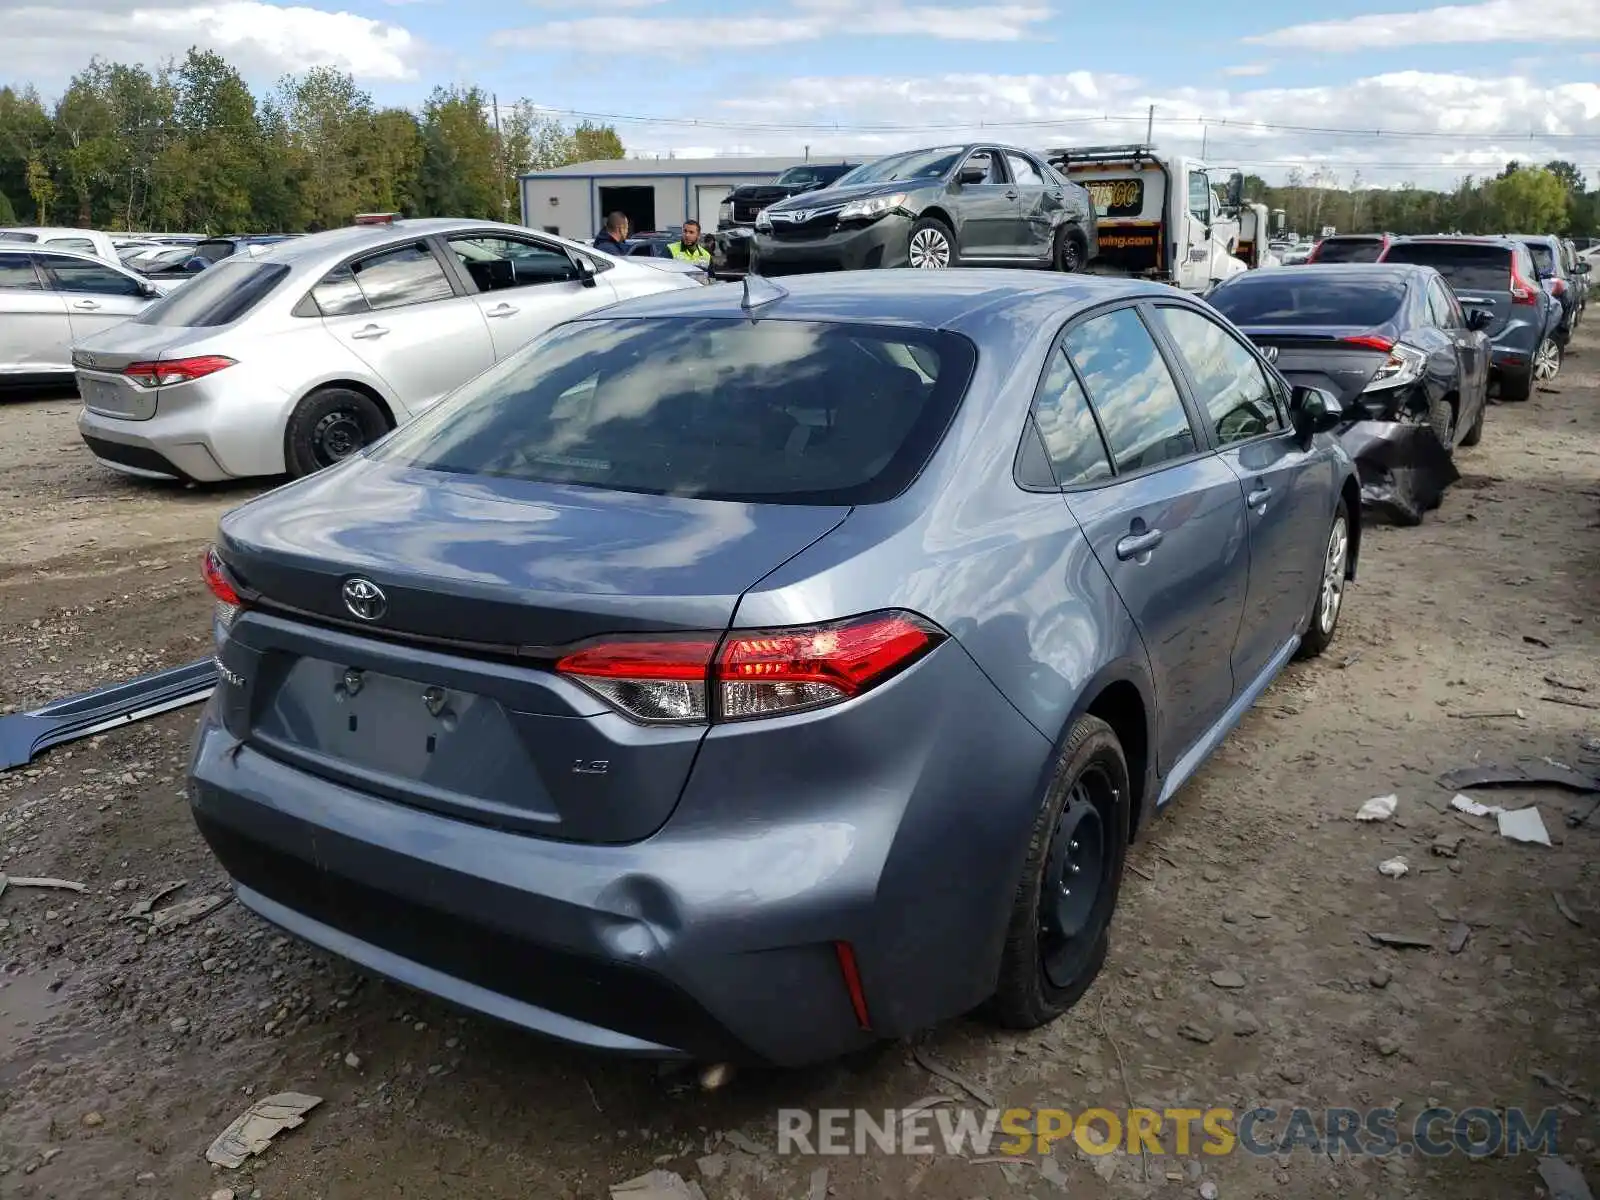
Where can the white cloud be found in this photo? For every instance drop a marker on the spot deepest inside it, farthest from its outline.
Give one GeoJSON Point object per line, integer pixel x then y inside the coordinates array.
{"type": "Point", "coordinates": [1490, 21]}
{"type": "Point", "coordinates": [261, 39]}
{"type": "Point", "coordinates": [807, 21]}
{"type": "Point", "coordinates": [1246, 70]}
{"type": "Point", "coordinates": [1437, 127]}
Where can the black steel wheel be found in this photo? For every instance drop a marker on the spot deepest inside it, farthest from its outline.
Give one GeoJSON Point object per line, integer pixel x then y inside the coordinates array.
{"type": "Point", "coordinates": [329, 426]}
{"type": "Point", "coordinates": [1069, 251]}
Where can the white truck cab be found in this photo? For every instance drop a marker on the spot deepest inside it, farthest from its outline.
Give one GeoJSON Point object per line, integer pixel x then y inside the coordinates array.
{"type": "Point", "coordinates": [1159, 215]}
{"type": "Point", "coordinates": [1255, 235]}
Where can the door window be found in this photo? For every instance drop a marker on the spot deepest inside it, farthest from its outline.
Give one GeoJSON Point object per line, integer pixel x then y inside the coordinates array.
{"type": "Point", "coordinates": [1023, 172]}
{"type": "Point", "coordinates": [1067, 427]}
{"type": "Point", "coordinates": [1200, 195]}
{"type": "Point", "coordinates": [338, 294]}
{"type": "Point", "coordinates": [506, 262]}
{"type": "Point", "coordinates": [1229, 380]}
{"type": "Point", "coordinates": [990, 162]}
{"type": "Point", "coordinates": [1131, 390]}
{"type": "Point", "coordinates": [402, 276]}
{"type": "Point", "coordinates": [81, 275]}
{"type": "Point", "coordinates": [1442, 307]}
{"type": "Point", "coordinates": [16, 274]}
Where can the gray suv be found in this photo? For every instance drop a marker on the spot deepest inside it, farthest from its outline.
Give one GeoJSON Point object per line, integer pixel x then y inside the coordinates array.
{"type": "Point", "coordinates": [1555, 273]}
{"type": "Point", "coordinates": [1498, 275]}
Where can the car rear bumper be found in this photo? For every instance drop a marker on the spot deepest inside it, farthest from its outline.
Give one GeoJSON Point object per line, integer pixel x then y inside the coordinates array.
{"type": "Point", "coordinates": [883, 243]}
{"type": "Point", "coordinates": [229, 426]}
{"type": "Point", "coordinates": [717, 938]}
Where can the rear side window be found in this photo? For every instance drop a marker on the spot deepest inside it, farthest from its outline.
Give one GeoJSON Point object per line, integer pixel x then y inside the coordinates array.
{"type": "Point", "coordinates": [1132, 390]}
{"type": "Point", "coordinates": [1470, 265]}
{"type": "Point", "coordinates": [784, 412]}
{"type": "Point", "coordinates": [1067, 428]}
{"type": "Point", "coordinates": [1355, 250]}
{"type": "Point", "coordinates": [83, 275]}
{"type": "Point", "coordinates": [16, 274]}
{"type": "Point", "coordinates": [1292, 298]}
{"type": "Point", "coordinates": [1544, 261]}
{"type": "Point", "coordinates": [84, 245]}
{"type": "Point", "coordinates": [219, 295]}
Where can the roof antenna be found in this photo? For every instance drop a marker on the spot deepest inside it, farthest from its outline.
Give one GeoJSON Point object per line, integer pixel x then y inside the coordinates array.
{"type": "Point", "coordinates": [759, 291]}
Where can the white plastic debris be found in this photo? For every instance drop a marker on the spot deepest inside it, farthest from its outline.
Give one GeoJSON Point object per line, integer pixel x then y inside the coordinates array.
{"type": "Point", "coordinates": [1472, 808]}
{"type": "Point", "coordinates": [1379, 808]}
{"type": "Point", "coordinates": [251, 1133]}
{"type": "Point", "coordinates": [1394, 867]}
{"type": "Point", "coordinates": [1524, 825]}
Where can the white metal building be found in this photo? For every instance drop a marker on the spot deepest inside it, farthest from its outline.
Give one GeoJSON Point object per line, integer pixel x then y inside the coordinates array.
{"type": "Point", "coordinates": [657, 194]}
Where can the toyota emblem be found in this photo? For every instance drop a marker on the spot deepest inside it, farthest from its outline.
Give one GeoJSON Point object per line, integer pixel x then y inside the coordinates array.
{"type": "Point", "coordinates": [1270, 353]}
{"type": "Point", "coordinates": [365, 599]}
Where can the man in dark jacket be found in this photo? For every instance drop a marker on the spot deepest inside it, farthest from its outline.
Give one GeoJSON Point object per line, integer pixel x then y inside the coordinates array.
{"type": "Point", "coordinates": [613, 236]}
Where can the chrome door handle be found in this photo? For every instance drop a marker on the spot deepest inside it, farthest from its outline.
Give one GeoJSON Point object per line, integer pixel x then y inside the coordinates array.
{"type": "Point", "coordinates": [1136, 544]}
{"type": "Point", "coordinates": [1011, 195]}
{"type": "Point", "coordinates": [369, 331]}
{"type": "Point", "coordinates": [85, 304]}
{"type": "Point", "coordinates": [1258, 498]}
{"type": "Point", "coordinates": [505, 310]}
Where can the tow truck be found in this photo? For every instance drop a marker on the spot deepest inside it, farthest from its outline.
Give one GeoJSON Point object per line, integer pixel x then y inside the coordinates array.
{"type": "Point", "coordinates": [1159, 215]}
{"type": "Point", "coordinates": [1255, 236]}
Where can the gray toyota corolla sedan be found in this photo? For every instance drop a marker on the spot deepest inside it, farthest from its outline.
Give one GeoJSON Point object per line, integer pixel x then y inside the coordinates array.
{"type": "Point", "coordinates": [752, 673]}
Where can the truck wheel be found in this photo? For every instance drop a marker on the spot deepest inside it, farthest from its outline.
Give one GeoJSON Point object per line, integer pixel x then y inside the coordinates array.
{"type": "Point", "coordinates": [1069, 251]}
{"type": "Point", "coordinates": [932, 247]}
{"type": "Point", "coordinates": [329, 426]}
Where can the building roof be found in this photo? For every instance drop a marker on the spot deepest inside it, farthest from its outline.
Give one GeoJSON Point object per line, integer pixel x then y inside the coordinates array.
{"type": "Point", "coordinates": [731, 165]}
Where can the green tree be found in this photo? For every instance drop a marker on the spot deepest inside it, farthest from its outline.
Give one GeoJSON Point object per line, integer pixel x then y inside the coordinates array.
{"type": "Point", "coordinates": [591, 142]}
{"type": "Point", "coordinates": [530, 141]}
{"type": "Point", "coordinates": [1531, 200]}
{"type": "Point", "coordinates": [329, 125]}
{"type": "Point", "coordinates": [222, 146]}
{"type": "Point", "coordinates": [460, 174]}
{"type": "Point", "coordinates": [8, 215]}
{"type": "Point", "coordinates": [1570, 176]}
{"type": "Point", "coordinates": [25, 131]}
{"type": "Point", "coordinates": [41, 187]}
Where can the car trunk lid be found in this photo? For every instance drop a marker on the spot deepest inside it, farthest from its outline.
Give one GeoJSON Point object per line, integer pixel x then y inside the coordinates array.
{"type": "Point", "coordinates": [441, 694]}
{"type": "Point", "coordinates": [1326, 357]}
{"type": "Point", "coordinates": [101, 359]}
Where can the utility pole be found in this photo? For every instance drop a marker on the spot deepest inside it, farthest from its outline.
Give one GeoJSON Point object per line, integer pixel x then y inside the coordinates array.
{"type": "Point", "coordinates": [500, 156]}
{"type": "Point", "coordinates": [1150, 127]}
{"type": "Point", "coordinates": [1205, 133]}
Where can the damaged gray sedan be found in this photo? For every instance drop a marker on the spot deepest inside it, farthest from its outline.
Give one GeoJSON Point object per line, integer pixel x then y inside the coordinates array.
{"type": "Point", "coordinates": [1393, 343]}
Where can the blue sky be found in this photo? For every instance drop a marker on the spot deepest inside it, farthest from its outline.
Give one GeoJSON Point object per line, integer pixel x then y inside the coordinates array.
{"type": "Point", "coordinates": [1462, 87]}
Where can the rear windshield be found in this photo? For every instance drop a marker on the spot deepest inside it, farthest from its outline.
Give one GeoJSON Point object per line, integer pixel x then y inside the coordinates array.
{"type": "Point", "coordinates": [11, 235]}
{"type": "Point", "coordinates": [784, 412]}
{"type": "Point", "coordinates": [215, 251]}
{"type": "Point", "coordinates": [1350, 250]}
{"type": "Point", "coordinates": [217, 296]}
{"type": "Point", "coordinates": [1291, 298]}
{"type": "Point", "coordinates": [1470, 265]}
{"type": "Point", "coordinates": [1544, 261]}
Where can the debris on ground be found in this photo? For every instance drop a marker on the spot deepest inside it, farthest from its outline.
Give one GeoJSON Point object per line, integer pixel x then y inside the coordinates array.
{"type": "Point", "coordinates": [1446, 845]}
{"type": "Point", "coordinates": [1564, 909]}
{"type": "Point", "coordinates": [1227, 979]}
{"type": "Point", "coordinates": [657, 1185]}
{"type": "Point", "coordinates": [26, 881]}
{"type": "Point", "coordinates": [142, 908]}
{"type": "Point", "coordinates": [1472, 808]}
{"type": "Point", "coordinates": [186, 913]}
{"type": "Point", "coordinates": [253, 1131]}
{"type": "Point", "coordinates": [1402, 941]}
{"type": "Point", "coordinates": [934, 1067]}
{"type": "Point", "coordinates": [1379, 808]}
{"type": "Point", "coordinates": [1196, 1033]}
{"type": "Point", "coordinates": [1524, 825]}
{"type": "Point", "coordinates": [1563, 1180]}
{"type": "Point", "coordinates": [1562, 1089]}
{"type": "Point", "coordinates": [1522, 774]}
{"type": "Point", "coordinates": [1394, 867]}
{"type": "Point", "coordinates": [819, 1185]}
{"type": "Point", "coordinates": [1459, 936]}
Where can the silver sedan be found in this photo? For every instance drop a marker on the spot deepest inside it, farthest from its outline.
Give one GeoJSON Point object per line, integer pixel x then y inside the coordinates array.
{"type": "Point", "coordinates": [50, 299]}
{"type": "Point", "coordinates": [295, 357]}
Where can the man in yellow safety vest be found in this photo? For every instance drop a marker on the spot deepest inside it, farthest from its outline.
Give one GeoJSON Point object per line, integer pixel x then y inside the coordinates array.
{"type": "Point", "coordinates": [689, 247]}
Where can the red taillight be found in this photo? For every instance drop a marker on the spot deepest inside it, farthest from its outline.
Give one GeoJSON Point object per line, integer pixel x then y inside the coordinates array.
{"type": "Point", "coordinates": [1315, 251]}
{"type": "Point", "coordinates": [752, 673]}
{"type": "Point", "coordinates": [216, 577]}
{"type": "Point", "coordinates": [1522, 292]}
{"type": "Point", "coordinates": [1558, 287]}
{"type": "Point", "coordinates": [179, 370]}
{"type": "Point", "coordinates": [852, 982]}
{"type": "Point", "coordinates": [1371, 341]}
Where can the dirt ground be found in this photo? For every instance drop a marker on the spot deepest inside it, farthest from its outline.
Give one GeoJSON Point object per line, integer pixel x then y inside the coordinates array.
{"type": "Point", "coordinates": [123, 1052]}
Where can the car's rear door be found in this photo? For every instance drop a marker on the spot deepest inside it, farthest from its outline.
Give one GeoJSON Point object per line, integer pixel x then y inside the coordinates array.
{"type": "Point", "coordinates": [1472, 352]}
{"type": "Point", "coordinates": [398, 310]}
{"type": "Point", "coordinates": [523, 286]}
{"type": "Point", "coordinates": [1286, 484]}
{"type": "Point", "coordinates": [35, 333]}
{"type": "Point", "coordinates": [98, 295]}
{"type": "Point", "coordinates": [1037, 205]}
{"type": "Point", "coordinates": [1169, 528]}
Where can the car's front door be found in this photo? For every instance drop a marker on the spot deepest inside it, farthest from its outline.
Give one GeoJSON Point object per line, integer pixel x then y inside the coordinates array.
{"type": "Point", "coordinates": [1193, 266]}
{"type": "Point", "coordinates": [98, 295]}
{"type": "Point", "coordinates": [1286, 486]}
{"type": "Point", "coordinates": [1169, 527]}
{"type": "Point", "coordinates": [35, 334]}
{"type": "Point", "coordinates": [398, 312]}
{"type": "Point", "coordinates": [524, 286]}
{"type": "Point", "coordinates": [1038, 203]}
{"type": "Point", "coordinates": [986, 212]}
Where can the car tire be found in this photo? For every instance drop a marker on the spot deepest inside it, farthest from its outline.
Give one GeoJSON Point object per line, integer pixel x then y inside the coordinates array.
{"type": "Point", "coordinates": [1328, 600]}
{"type": "Point", "coordinates": [1475, 435]}
{"type": "Point", "coordinates": [931, 246]}
{"type": "Point", "coordinates": [1442, 420]}
{"type": "Point", "coordinates": [1069, 254]}
{"type": "Point", "coordinates": [1516, 386]}
{"type": "Point", "coordinates": [329, 426]}
{"type": "Point", "coordinates": [1547, 360]}
{"type": "Point", "coordinates": [1056, 943]}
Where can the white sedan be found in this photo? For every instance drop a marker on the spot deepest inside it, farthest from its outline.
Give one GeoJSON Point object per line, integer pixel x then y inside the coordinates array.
{"type": "Point", "coordinates": [51, 298]}
{"type": "Point", "coordinates": [296, 357]}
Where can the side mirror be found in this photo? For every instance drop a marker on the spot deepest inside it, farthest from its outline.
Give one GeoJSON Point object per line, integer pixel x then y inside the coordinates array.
{"type": "Point", "coordinates": [1581, 269]}
{"type": "Point", "coordinates": [1235, 190]}
{"type": "Point", "coordinates": [586, 271]}
{"type": "Point", "coordinates": [1479, 319]}
{"type": "Point", "coordinates": [973, 172]}
{"type": "Point", "coordinates": [149, 291]}
{"type": "Point", "coordinates": [1314, 411]}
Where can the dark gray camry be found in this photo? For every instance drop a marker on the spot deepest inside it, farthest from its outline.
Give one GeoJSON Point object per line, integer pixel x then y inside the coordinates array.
{"type": "Point", "coordinates": [755, 682]}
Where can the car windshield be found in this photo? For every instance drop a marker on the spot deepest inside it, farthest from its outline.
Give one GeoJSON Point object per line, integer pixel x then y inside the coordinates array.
{"type": "Point", "coordinates": [220, 296]}
{"type": "Point", "coordinates": [1475, 266]}
{"type": "Point", "coordinates": [1544, 261]}
{"type": "Point", "coordinates": [784, 412]}
{"type": "Point", "coordinates": [1350, 250]}
{"type": "Point", "coordinates": [1291, 299]}
{"type": "Point", "coordinates": [918, 164]}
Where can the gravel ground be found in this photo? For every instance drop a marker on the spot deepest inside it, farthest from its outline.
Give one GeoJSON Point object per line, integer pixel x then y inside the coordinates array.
{"type": "Point", "coordinates": [1241, 973]}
